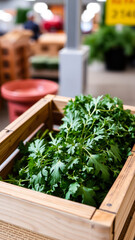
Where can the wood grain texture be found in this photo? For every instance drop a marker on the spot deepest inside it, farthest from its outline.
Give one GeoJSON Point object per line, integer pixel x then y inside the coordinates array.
{"type": "Point", "coordinates": [49, 201]}
{"type": "Point", "coordinates": [118, 191]}
{"type": "Point", "coordinates": [22, 127]}
{"type": "Point", "coordinates": [130, 235]}
{"type": "Point", "coordinates": [121, 223]}
{"type": "Point", "coordinates": [54, 223]}
{"type": "Point", "coordinates": [121, 196]}
{"type": "Point", "coordinates": [127, 224]}
{"type": "Point", "coordinates": [44, 220]}
{"type": "Point", "coordinates": [103, 223]}
{"type": "Point", "coordinates": [60, 102]}
{"type": "Point", "coordinates": [6, 166]}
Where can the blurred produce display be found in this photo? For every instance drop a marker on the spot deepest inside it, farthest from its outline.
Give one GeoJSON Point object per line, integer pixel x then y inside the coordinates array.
{"type": "Point", "coordinates": [44, 62]}
{"type": "Point", "coordinates": [109, 39]}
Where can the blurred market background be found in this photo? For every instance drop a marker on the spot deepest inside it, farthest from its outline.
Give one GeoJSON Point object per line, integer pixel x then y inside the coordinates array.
{"type": "Point", "coordinates": [107, 28]}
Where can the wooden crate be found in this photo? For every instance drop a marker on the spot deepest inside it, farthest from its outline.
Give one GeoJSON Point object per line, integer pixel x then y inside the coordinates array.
{"type": "Point", "coordinates": [14, 56]}
{"type": "Point", "coordinates": [27, 214]}
{"type": "Point", "coordinates": [51, 43]}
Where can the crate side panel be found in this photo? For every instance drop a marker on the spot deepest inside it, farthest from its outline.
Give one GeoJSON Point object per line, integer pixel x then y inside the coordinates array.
{"type": "Point", "coordinates": [59, 103]}
{"type": "Point", "coordinates": [22, 127]}
{"type": "Point", "coordinates": [120, 235]}
{"type": "Point", "coordinates": [124, 216]}
{"type": "Point", "coordinates": [11, 232]}
{"type": "Point", "coordinates": [43, 220]}
{"type": "Point", "coordinates": [52, 223]}
{"type": "Point", "coordinates": [121, 196]}
{"type": "Point", "coordinates": [130, 235]}
{"type": "Point", "coordinates": [7, 165]}
{"type": "Point", "coordinates": [118, 191]}
{"type": "Point", "coordinates": [46, 200]}
{"type": "Point", "coordinates": [57, 118]}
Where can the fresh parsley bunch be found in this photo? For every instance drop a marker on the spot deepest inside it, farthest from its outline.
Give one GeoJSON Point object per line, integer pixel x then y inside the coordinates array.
{"type": "Point", "coordinates": [82, 161]}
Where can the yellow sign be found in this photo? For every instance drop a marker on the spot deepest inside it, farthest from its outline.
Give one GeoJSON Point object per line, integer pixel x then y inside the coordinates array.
{"type": "Point", "coordinates": [120, 12]}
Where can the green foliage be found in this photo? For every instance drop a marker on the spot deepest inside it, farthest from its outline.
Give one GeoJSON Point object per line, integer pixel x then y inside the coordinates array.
{"type": "Point", "coordinates": [102, 19]}
{"type": "Point", "coordinates": [106, 38]}
{"type": "Point", "coordinates": [44, 62]}
{"type": "Point", "coordinates": [21, 15]}
{"type": "Point", "coordinates": [82, 161]}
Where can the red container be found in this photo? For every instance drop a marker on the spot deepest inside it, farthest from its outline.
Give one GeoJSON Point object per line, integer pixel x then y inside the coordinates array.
{"type": "Point", "coordinates": [22, 94]}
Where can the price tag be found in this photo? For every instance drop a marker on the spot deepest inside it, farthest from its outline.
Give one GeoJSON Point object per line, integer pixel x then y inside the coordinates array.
{"type": "Point", "coordinates": [120, 12]}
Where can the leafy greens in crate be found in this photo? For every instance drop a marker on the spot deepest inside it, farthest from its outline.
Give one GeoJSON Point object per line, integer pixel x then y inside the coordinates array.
{"type": "Point", "coordinates": [82, 161]}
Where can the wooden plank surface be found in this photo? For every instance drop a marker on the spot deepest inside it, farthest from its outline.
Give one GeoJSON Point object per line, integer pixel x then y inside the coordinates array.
{"type": "Point", "coordinates": [43, 214]}
{"type": "Point", "coordinates": [117, 193]}
{"type": "Point", "coordinates": [34, 197]}
{"type": "Point", "coordinates": [22, 127]}
{"type": "Point", "coordinates": [60, 102]}
{"type": "Point", "coordinates": [121, 196]}
{"type": "Point", "coordinates": [123, 217]}
{"type": "Point", "coordinates": [7, 165]}
{"type": "Point", "coordinates": [102, 223]}
{"type": "Point", "coordinates": [126, 226]}
{"type": "Point", "coordinates": [53, 217]}
{"type": "Point", "coordinates": [130, 235]}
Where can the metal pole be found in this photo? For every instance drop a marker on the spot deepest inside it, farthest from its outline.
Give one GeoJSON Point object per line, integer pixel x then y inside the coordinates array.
{"type": "Point", "coordinates": [73, 58]}
{"type": "Point", "coordinates": [73, 16]}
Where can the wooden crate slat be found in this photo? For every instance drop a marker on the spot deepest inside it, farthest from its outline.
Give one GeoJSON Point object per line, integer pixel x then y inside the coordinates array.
{"type": "Point", "coordinates": [53, 223]}
{"type": "Point", "coordinates": [121, 196]}
{"type": "Point", "coordinates": [123, 217]}
{"type": "Point", "coordinates": [46, 200]}
{"type": "Point", "coordinates": [121, 230]}
{"type": "Point", "coordinates": [22, 127]}
{"type": "Point", "coordinates": [59, 103]}
{"type": "Point", "coordinates": [44, 220]}
{"type": "Point", "coordinates": [103, 222]}
{"type": "Point", "coordinates": [120, 187]}
{"type": "Point", "coordinates": [7, 165]}
{"type": "Point", "coordinates": [130, 235]}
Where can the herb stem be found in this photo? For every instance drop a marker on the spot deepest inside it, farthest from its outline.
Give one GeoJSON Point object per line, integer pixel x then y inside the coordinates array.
{"type": "Point", "coordinates": [87, 151]}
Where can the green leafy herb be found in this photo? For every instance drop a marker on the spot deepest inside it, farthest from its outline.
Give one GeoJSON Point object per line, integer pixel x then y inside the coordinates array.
{"type": "Point", "coordinates": [82, 161]}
